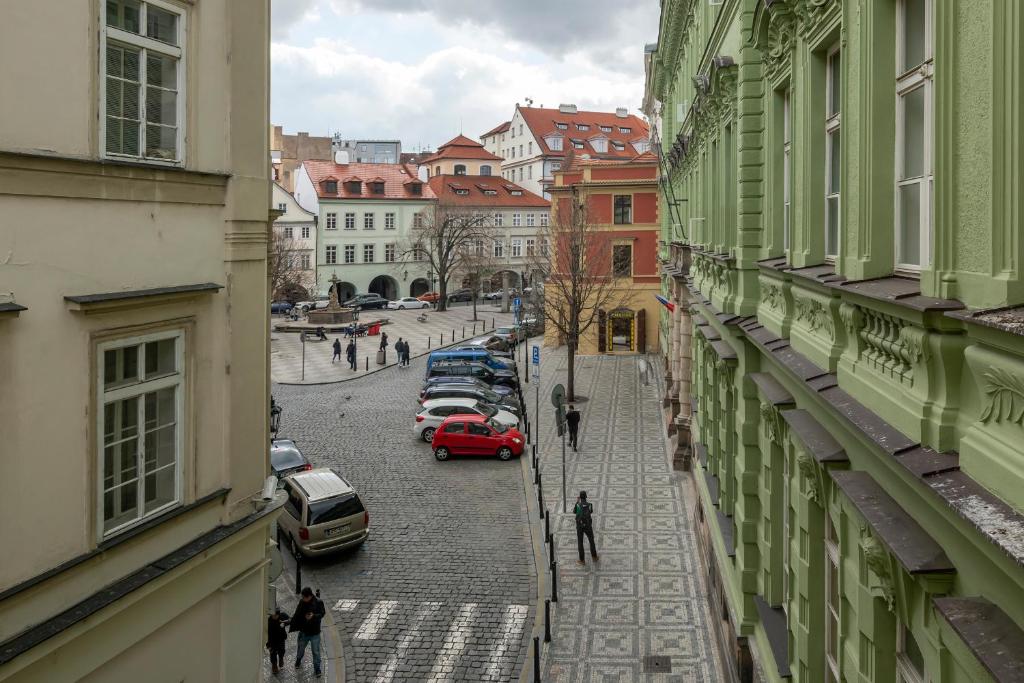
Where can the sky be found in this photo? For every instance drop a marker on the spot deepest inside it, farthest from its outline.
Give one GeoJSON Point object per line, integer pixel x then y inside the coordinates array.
{"type": "Point", "coordinates": [423, 71]}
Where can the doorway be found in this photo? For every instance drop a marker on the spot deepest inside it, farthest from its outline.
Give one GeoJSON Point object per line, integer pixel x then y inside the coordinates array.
{"type": "Point", "coordinates": [621, 331]}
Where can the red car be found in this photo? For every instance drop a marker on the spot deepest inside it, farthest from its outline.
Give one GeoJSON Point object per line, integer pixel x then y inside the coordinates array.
{"type": "Point", "coordinates": [476, 435]}
{"type": "Point", "coordinates": [429, 297]}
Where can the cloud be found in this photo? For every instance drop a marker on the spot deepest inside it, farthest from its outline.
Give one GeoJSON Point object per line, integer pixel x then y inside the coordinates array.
{"type": "Point", "coordinates": [284, 14]}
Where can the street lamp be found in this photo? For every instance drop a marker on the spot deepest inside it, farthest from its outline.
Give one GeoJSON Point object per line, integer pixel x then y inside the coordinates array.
{"type": "Point", "coordinates": [275, 416]}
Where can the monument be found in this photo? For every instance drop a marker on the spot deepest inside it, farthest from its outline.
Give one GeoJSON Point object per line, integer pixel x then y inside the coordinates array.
{"type": "Point", "coordinates": [335, 313]}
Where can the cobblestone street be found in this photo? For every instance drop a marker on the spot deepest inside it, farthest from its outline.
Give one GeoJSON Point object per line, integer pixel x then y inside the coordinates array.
{"type": "Point", "coordinates": [444, 587]}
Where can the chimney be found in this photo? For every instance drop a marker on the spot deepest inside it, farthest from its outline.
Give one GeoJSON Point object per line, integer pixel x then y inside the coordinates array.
{"type": "Point", "coordinates": [622, 112]}
{"type": "Point", "coordinates": [303, 135]}
{"type": "Point", "coordinates": [567, 108]}
{"type": "Point", "coordinates": [341, 157]}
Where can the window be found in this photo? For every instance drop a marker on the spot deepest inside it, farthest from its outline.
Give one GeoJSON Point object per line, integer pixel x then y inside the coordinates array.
{"type": "Point", "coordinates": [142, 79]}
{"type": "Point", "coordinates": [350, 253]}
{"type": "Point", "coordinates": [305, 232]}
{"type": "Point", "coordinates": [485, 169]}
{"type": "Point", "coordinates": [529, 148]}
{"type": "Point", "coordinates": [544, 247]}
{"type": "Point", "coordinates": [520, 129]}
{"type": "Point", "coordinates": [832, 155]}
{"type": "Point", "coordinates": [531, 247]}
{"type": "Point", "coordinates": [517, 220]}
{"type": "Point", "coordinates": [389, 221]}
{"type": "Point", "coordinates": [520, 150]}
{"type": "Point", "coordinates": [517, 247]}
{"type": "Point", "coordinates": [306, 262]}
{"type": "Point", "coordinates": [516, 193]}
{"type": "Point", "coordinates": [555, 143]}
{"type": "Point", "coordinates": [909, 659]}
{"type": "Point", "coordinates": [141, 400]}
{"type": "Point", "coordinates": [491, 193]}
{"type": "Point", "coordinates": [416, 188]}
{"type": "Point", "coordinates": [531, 219]}
{"type": "Point", "coordinates": [623, 209]}
{"type": "Point", "coordinates": [455, 428]}
{"type": "Point", "coordinates": [577, 144]}
{"type": "Point", "coordinates": [832, 599]}
{"type": "Point", "coordinates": [368, 253]}
{"type": "Point", "coordinates": [582, 126]}
{"type": "Point", "coordinates": [600, 145]}
{"type": "Point", "coordinates": [622, 260]}
{"type": "Point", "coordinates": [914, 79]}
{"type": "Point", "coordinates": [619, 146]}
{"type": "Point", "coordinates": [461, 191]}
{"type": "Point", "coordinates": [377, 188]}
{"type": "Point", "coordinates": [787, 168]}
{"type": "Point", "coordinates": [562, 126]}
{"type": "Point", "coordinates": [283, 207]}
{"type": "Point", "coordinates": [350, 221]}
{"type": "Point", "coordinates": [478, 429]}
{"type": "Point", "coordinates": [368, 221]}
{"type": "Point", "coordinates": [625, 130]}
{"type": "Point", "coordinates": [513, 150]}
{"type": "Point", "coordinates": [498, 219]}
{"type": "Point", "coordinates": [605, 129]}
{"type": "Point", "coordinates": [332, 221]}
{"type": "Point", "coordinates": [389, 253]}
{"type": "Point", "coordinates": [331, 254]}
{"type": "Point", "coordinates": [499, 249]}
{"type": "Point", "coordinates": [529, 173]}
{"type": "Point", "coordinates": [289, 232]}
{"type": "Point", "coordinates": [641, 146]}
{"type": "Point", "coordinates": [460, 169]}
{"type": "Point", "coordinates": [513, 132]}
{"type": "Point", "coordinates": [417, 220]}
{"type": "Point", "coordinates": [520, 172]}
{"type": "Point", "coordinates": [544, 220]}
{"type": "Point", "coordinates": [478, 248]}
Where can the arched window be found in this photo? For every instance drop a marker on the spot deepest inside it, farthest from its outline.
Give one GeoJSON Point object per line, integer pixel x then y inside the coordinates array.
{"type": "Point", "coordinates": [460, 169]}
{"type": "Point", "coordinates": [485, 170]}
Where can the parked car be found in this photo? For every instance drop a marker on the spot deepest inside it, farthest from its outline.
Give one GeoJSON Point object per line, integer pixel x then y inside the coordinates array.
{"type": "Point", "coordinates": [317, 302]}
{"type": "Point", "coordinates": [471, 354]}
{"type": "Point", "coordinates": [286, 458]}
{"type": "Point", "coordinates": [366, 301]}
{"type": "Point", "coordinates": [506, 333]}
{"type": "Point", "coordinates": [461, 295]}
{"type": "Point", "coordinates": [280, 306]}
{"type": "Point", "coordinates": [506, 357]}
{"type": "Point", "coordinates": [473, 369]}
{"type": "Point", "coordinates": [429, 297]}
{"type": "Point", "coordinates": [476, 435]}
{"type": "Point", "coordinates": [490, 343]}
{"type": "Point", "coordinates": [407, 302]}
{"type": "Point", "coordinates": [506, 402]}
{"type": "Point", "coordinates": [323, 513]}
{"type": "Point", "coordinates": [441, 380]}
{"type": "Point", "coordinates": [497, 294]}
{"type": "Point", "coordinates": [531, 327]}
{"type": "Point", "coordinates": [434, 412]}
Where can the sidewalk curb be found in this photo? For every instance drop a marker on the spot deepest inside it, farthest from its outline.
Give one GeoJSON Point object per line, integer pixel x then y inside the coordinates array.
{"type": "Point", "coordinates": [337, 648]}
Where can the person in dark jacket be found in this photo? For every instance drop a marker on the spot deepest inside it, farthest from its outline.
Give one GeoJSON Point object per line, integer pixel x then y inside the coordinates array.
{"type": "Point", "coordinates": [350, 353]}
{"type": "Point", "coordinates": [277, 637]}
{"type": "Point", "coordinates": [405, 353]}
{"type": "Point", "coordinates": [584, 512]}
{"type": "Point", "coordinates": [572, 418]}
{"type": "Point", "coordinates": [308, 614]}
{"type": "Point", "coordinates": [400, 350]}
{"type": "Point", "coordinates": [383, 340]}
{"type": "Point", "coordinates": [337, 350]}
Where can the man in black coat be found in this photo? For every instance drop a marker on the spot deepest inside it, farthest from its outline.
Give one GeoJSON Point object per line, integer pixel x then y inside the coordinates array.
{"type": "Point", "coordinates": [277, 637]}
{"type": "Point", "coordinates": [572, 418]}
{"type": "Point", "coordinates": [350, 353]}
{"type": "Point", "coordinates": [306, 620]}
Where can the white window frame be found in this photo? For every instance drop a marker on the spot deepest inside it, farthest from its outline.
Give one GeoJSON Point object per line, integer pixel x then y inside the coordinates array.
{"type": "Point", "coordinates": [544, 247]}
{"type": "Point", "coordinates": [787, 168]}
{"type": "Point", "coordinates": [368, 221]}
{"type": "Point", "coordinates": [389, 220]}
{"type": "Point", "coordinates": [306, 262]}
{"type": "Point", "coordinates": [305, 232]}
{"type": "Point", "coordinates": [498, 219]}
{"type": "Point", "coordinates": [110, 33]}
{"type": "Point", "coordinates": [330, 221]}
{"type": "Point", "coordinates": [831, 546]}
{"type": "Point", "coordinates": [554, 143]}
{"type": "Point", "coordinates": [350, 220]}
{"type": "Point", "coordinates": [600, 145]}
{"type": "Point", "coordinates": [282, 207]}
{"type": "Point", "coordinates": [517, 247]}
{"type": "Point", "coordinates": [331, 254]}
{"type": "Point", "coordinates": [349, 254]}
{"type": "Point", "coordinates": [832, 127]}
{"type": "Point", "coordinates": [531, 247]}
{"type": "Point", "coordinates": [371, 251]}
{"type": "Point", "coordinates": [517, 220]}
{"type": "Point", "coordinates": [140, 389]}
{"type": "Point", "coordinates": [499, 249]}
{"type": "Point", "coordinates": [289, 232]}
{"type": "Point", "coordinates": [921, 76]}
{"type": "Point", "coordinates": [390, 253]}
{"type": "Point", "coordinates": [531, 220]}
{"type": "Point", "coordinates": [543, 220]}
{"type": "Point", "coordinates": [417, 220]}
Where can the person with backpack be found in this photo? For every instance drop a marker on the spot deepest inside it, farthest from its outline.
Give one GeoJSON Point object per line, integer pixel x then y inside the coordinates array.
{"type": "Point", "coordinates": [584, 512]}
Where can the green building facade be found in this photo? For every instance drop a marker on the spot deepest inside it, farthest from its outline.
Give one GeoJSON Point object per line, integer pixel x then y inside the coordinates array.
{"type": "Point", "coordinates": [843, 203]}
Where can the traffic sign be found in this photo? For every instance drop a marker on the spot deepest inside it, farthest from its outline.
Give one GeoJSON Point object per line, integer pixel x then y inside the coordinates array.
{"type": "Point", "coordinates": [558, 395]}
{"type": "Point", "coordinates": [536, 354]}
{"type": "Point", "coordinates": [536, 372]}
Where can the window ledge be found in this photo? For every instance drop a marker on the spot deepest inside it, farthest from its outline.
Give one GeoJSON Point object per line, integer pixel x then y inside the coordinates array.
{"type": "Point", "coordinates": [136, 298]}
{"type": "Point", "coordinates": [11, 310]}
{"type": "Point", "coordinates": [902, 291]}
{"type": "Point", "coordinates": [988, 633]}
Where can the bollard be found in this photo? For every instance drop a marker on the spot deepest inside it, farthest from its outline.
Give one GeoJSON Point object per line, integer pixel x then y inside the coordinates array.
{"type": "Point", "coordinates": [474, 329]}
{"type": "Point", "coordinates": [554, 581]}
{"type": "Point", "coordinates": [463, 331]}
{"type": "Point", "coordinates": [547, 526]}
{"type": "Point", "coordinates": [492, 323]}
{"type": "Point", "coordinates": [536, 476]}
{"type": "Point", "coordinates": [547, 621]}
{"type": "Point", "coordinates": [551, 552]}
{"type": "Point", "coordinates": [298, 571]}
{"type": "Point", "coordinates": [367, 363]}
{"type": "Point", "coordinates": [536, 659]}
{"type": "Point", "coordinates": [441, 343]}
{"type": "Point", "coordinates": [428, 342]}
{"type": "Point", "coordinates": [540, 501]}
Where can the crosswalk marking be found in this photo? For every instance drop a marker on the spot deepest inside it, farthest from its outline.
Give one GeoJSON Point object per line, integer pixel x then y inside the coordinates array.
{"type": "Point", "coordinates": [512, 627]}
{"type": "Point", "coordinates": [376, 619]}
{"type": "Point", "coordinates": [390, 667]}
{"type": "Point", "coordinates": [454, 643]}
{"type": "Point", "coordinates": [346, 605]}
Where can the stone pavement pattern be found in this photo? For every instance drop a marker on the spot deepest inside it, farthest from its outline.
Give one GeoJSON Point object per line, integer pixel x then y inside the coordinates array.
{"type": "Point", "coordinates": [645, 597]}
{"type": "Point", "coordinates": [286, 347]}
{"type": "Point", "coordinates": [443, 589]}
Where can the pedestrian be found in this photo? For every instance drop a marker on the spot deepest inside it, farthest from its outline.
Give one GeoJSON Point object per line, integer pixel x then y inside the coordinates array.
{"type": "Point", "coordinates": [584, 512]}
{"type": "Point", "coordinates": [306, 620]}
{"type": "Point", "coordinates": [277, 637]}
{"type": "Point", "coordinates": [399, 345]}
{"type": "Point", "coordinates": [337, 350]}
{"type": "Point", "coordinates": [320, 334]}
{"type": "Point", "coordinates": [350, 353]}
{"type": "Point", "coordinates": [572, 418]}
{"type": "Point", "coordinates": [405, 353]}
{"type": "Point", "coordinates": [383, 340]}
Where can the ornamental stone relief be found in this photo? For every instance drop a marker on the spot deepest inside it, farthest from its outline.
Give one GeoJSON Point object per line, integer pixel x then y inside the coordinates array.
{"type": "Point", "coordinates": [814, 315]}
{"type": "Point", "coordinates": [880, 584]}
{"type": "Point", "coordinates": [1004, 397]}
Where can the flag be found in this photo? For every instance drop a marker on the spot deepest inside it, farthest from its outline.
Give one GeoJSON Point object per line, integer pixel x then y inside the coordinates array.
{"type": "Point", "coordinates": [666, 303]}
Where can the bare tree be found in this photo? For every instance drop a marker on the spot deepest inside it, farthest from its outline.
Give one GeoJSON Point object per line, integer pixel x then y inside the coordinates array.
{"type": "Point", "coordinates": [577, 264]}
{"type": "Point", "coordinates": [441, 240]}
{"type": "Point", "coordinates": [288, 279]}
{"type": "Point", "coordinates": [479, 264]}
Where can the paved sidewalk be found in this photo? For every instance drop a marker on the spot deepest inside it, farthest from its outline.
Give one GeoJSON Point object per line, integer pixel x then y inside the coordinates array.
{"type": "Point", "coordinates": [645, 597]}
{"type": "Point", "coordinates": [286, 347]}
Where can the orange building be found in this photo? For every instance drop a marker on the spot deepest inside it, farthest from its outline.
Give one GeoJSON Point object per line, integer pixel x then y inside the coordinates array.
{"type": "Point", "coordinates": [621, 207]}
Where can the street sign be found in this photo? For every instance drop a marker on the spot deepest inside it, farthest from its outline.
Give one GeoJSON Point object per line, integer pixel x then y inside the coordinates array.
{"type": "Point", "coordinates": [558, 395]}
{"type": "Point", "coordinates": [536, 372]}
{"type": "Point", "coordinates": [536, 354]}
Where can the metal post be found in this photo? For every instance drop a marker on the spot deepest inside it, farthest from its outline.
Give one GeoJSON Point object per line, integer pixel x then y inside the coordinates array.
{"type": "Point", "coordinates": [540, 498]}
{"type": "Point", "coordinates": [551, 552]}
{"type": "Point", "coordinates": [302, 338]}
{"type": "Point", "coordinates": [367, 363]}
{"type": "Point", "coordinates": [536, 659]}
{"type": "Point", "coordinates": [492, 323]}
{"type": "Point", "coordinates": [547, 526]}
{"type": "Point", "coordinates": [474, 329]}
{"type": "Point", "coordinates": [453, 335]}
{"type": "Point", "coordinates": [554, 581]}
{"type": "Point", "coordinates": [298, 572]}
{"type": "Point", "coordinates": [463, 331]}
{"type": "Point", "coordinates": [536, 414]}
{"type": "Point", "coordinates": [428, 342]}
{"type": "Point", "coordinates": [563, 471]}
{"type": "Point", "coordinates": [547, 621]}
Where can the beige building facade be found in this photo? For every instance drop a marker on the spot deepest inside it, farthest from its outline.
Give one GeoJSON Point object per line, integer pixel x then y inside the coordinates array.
{"type": "Point", "coordinates": [134, 190]}
{"type": "Point", "coordinates": [287, 152]}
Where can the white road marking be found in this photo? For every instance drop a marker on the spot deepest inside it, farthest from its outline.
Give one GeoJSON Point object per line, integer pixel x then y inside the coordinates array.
{"type": "Point", "coordinates": [454, 643]}
{"type": "Point", "coordinates": [345, 605]}
{"type": "Point", "coordinates": [390, 666]}
{"type": "Point", "coordinates": [512, 627]}
{"type": "Point", "coordinates": [375, 620]}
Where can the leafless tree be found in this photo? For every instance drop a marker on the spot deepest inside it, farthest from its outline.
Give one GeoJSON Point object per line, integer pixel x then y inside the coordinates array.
{"type": "Point", "coordinates": [441, 239]}
{"type": "Point", "coordinates": [479, 264]}
{"type": "Point", "coordinates": [579, 280]}
{"type": "Point", "coordinates": [288, 279]}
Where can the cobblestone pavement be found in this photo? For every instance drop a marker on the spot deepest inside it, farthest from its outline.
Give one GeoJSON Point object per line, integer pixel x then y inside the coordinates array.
{"type": "Point", "coordinates": [286, 347]}
{"type": "Point", "coordinates": [287, 601]}
{"type": "Point", "coordinates": [444, 587]}
{"type": "Point", "coordinates": [645, 597]}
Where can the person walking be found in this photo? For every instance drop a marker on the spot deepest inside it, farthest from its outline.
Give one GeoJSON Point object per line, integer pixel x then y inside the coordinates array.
{"type": "Point", "coordinates": [337, 350]}
{"type": "Point", "coordinates": [405, 353]}
{"type": "Point", "coordinates": [350, 353]}
{"type": "Point", "coordinates": [399, 345]}
{"type": "Point", "coordinates": [584, 512]}
{"type": "Point", "coordinates": [572, 418]}
{"type": "Point", "coordinates": [277, 637]}
{"type": "Point", "coordinates": [383, 340]}
{"type": "Point", "coordinates": [306, 620]}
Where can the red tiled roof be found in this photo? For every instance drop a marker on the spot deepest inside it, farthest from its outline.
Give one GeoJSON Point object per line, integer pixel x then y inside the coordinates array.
{"type": "Point", "coordinates": [542, 122]}
{"type": "Point", "coordinates": [444, 187]}
{"type": "Point", "coordinates": [461, 147]}
{"type": "Point", "coordinates": [396, 178]}
{"type": "Point", "coordinates": [500, 128]}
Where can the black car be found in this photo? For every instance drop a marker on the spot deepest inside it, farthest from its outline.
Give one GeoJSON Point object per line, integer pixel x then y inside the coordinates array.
{"type": "Point", "coordinates": [461, 295]}
{"type": "Point", "coordinates": [473, 369]}
{"type": "Point", "coordinates": [366, 301]}
{"type": "Point", "coordinates": [441, 380]}
{"type": "Point", "coordinates": [286, 458]}
{"type": "Point", "coordinates": [507, 402]}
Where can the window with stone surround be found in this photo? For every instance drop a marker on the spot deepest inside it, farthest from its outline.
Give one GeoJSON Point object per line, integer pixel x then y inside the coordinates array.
{"type": "Point", "coordinates": [833, 156]}
{"type": "Point", "coordinates": [350, 253]}
{"type": "Point", "coordinates": [833, 598]}
{"type": "Point", "coordinates": [330, 254]}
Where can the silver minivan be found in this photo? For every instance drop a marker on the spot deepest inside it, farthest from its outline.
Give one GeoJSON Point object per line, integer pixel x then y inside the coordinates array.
{"type": "Point", "coordinates": [323, 513]}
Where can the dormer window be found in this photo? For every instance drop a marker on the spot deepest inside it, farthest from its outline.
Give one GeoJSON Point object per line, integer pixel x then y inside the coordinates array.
{"type": "Point", "coordinates": [600, 145]}
{"type": "Point", "coordinates": [415, 188]}
{"type": "Point", "coordinates": [619, 146]}
{"type": "Point", "coordinates": [625, 131]}
{"type": "Point", "coordinates": [516, 193]}
{"type": "Point", "coordinates": [641, 146]}
{"type": "Point", "coordinates": [490, 193]}
{"type": "Point", "coordinates": [331, 186]}
{"type": "Point", "coordinates": [353, 186]}
{"type": "Point", "coordinates": [461, 191]}
{"type": "Point", "coordinates": [377, 187]}
{"type": "Point", "coordinates": [460, 169]}
{"type": "Point", "coordinates": [577, 144]}
{"type": "Point", "coordinates": [554, 143]}
{"type": "Point", "coordinates": [562, 126]}
{"type": "Point", "coordinates": [582, 126]}
{"type": "Point", "coordinates": [606, 129]}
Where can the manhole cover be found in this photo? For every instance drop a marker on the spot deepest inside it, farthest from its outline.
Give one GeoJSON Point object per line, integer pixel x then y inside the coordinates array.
{"type": "Point", "coordinates": [656, 664]}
